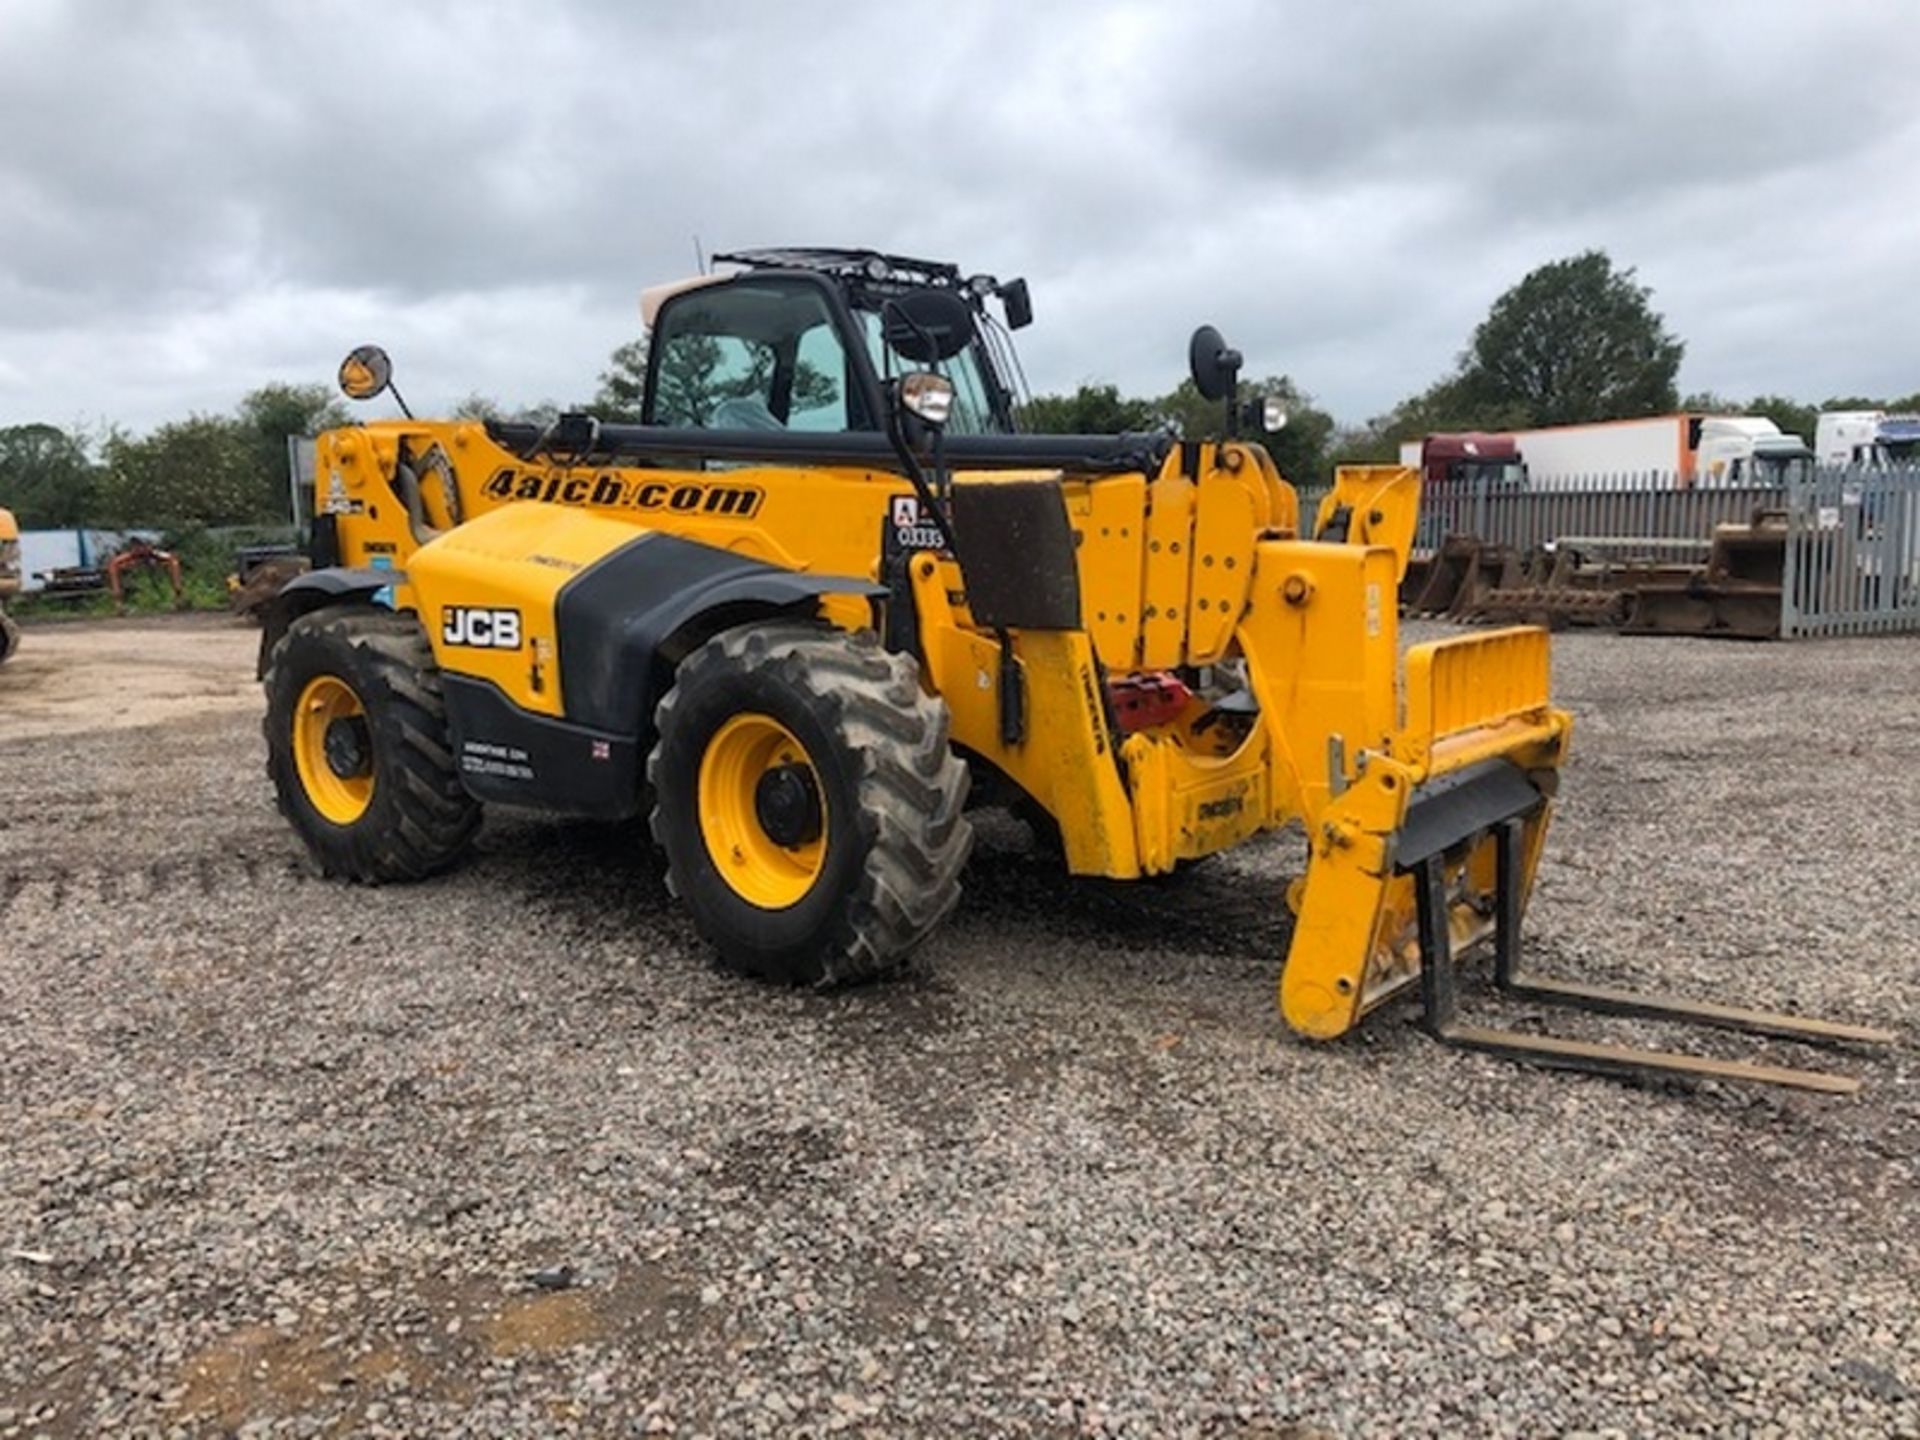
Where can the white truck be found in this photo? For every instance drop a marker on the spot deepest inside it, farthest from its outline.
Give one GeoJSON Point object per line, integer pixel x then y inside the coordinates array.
{"type": "Point", "coordinates": [1748, 450]}
{"type": "Point", "coordinates": [1684, 450]}
{"type": "Point", "coordinates": [1869, 438]}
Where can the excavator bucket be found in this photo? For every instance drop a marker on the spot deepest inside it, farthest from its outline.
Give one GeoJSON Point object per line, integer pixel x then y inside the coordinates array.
{"type": "Point", "coordinates": [1736, 594]}
{"type": "Point", "coordinates": [1430, 852]}
{"type": "Point", "coordinates": [1455, 578]}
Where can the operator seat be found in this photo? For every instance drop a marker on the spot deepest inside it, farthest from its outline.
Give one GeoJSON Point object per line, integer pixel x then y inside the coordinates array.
{"type": "Point", "coordinates": [745, 412]}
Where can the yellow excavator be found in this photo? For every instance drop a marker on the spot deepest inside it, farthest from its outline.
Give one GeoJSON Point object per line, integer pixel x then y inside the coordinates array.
{"type": "Point", "coordinates": [825, 589]}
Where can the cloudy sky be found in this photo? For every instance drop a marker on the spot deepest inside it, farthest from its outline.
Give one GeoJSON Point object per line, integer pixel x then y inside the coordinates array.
{"type": "Point", "coordinates": [198, 197]}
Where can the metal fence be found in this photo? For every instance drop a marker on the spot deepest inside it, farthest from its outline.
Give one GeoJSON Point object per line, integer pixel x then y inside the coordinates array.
{"type": "Point", "coordinates": [1643, 506]}
{"type": "Point", "coordinates": [1853, 553]}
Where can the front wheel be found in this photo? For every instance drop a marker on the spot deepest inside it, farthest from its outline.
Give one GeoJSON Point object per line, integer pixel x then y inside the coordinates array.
{"type": "Point", "coordinates": [807, 801]}
{"type": "Point", "coordinates": [358, 747]}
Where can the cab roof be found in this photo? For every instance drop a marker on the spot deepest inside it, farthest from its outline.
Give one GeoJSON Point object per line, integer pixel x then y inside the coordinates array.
{"type": "Point", "coordinates": [860, 270]}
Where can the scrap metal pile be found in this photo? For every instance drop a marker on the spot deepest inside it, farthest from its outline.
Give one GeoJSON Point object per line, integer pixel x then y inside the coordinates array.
{"type": "Point", "coordinates": [1727, 585]}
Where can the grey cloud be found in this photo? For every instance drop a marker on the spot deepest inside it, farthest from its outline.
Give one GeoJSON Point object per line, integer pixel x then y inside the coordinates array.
{"type": "Point", "coordinates": [200, 196]}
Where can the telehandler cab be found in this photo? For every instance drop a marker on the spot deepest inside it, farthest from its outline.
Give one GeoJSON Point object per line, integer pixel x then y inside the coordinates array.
{"type": "Point", "coordinates": [825, 583]}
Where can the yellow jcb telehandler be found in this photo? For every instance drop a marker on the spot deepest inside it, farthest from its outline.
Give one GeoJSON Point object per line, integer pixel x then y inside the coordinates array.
{"type": "Point", "coordinates": [825, 583]}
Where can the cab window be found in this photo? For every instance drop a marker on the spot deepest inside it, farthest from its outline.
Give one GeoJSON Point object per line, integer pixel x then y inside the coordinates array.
{"type": "Point", "coordinates": [974, 412]}
{"type": "Point", "coordinates": [752, 355]}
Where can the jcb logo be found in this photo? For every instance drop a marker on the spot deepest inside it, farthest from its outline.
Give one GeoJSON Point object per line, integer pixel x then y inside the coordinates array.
{"type": "Point", "coordinates": [481, 628]}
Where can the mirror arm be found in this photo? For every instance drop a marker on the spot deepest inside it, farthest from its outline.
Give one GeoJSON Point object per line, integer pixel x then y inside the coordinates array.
{"type": "Point", "coordinates": [917, 476]}
{"type": "Point", "coordinates": [942, 483]}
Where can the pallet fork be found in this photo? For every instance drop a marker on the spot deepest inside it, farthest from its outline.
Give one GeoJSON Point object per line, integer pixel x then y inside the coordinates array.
{"type": "Point", "coordinates": [1437, 992]}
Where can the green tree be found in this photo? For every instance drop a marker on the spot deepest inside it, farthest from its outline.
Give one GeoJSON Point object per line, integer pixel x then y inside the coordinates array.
{"type": "Point", "coordinates": [268, 417]}
{"type": "Point", "coordinates": [1190, 412]}
{"type": "Point", "coordinates": [1367, 444]}
{"type": "Point", "coordinates": [478, 407]}
{"type": "Point", "coordinates": [1709, 402]}
{"type": "Point", "coordinates": [1791, 416]}
{"type": "Point", "coordinates": [204, 470]}
{"type": "Point", "coordinates": [623, 383]}
{"type": "Point", "coordinates": [1090, 410]}
{"type": "Point", "coordinates": [1303, 447]}
{"type": "Point", "coordinates": [46, 479]}
{"type": "Point", "coordinates": [688, 388]}
{"type": "Point", "coordinates": [692, 380]}
{"type": "Point", "coordinates": [484, 407]}
{"type": "Point", "coordinates": [1445, 406]}
{"type": "Point", "coordinates": [1576, 340]}
{"type": "Point", "coordinates": [1299, 448]}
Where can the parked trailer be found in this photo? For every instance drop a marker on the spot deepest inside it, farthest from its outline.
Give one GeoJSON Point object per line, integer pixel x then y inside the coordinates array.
{"type": "Point", "coordinates": [1691, 449]}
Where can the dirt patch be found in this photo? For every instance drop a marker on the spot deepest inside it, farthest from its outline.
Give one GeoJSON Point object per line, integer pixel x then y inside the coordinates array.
{"type": "Point", "coordinates": [541, 1324]}
{"type": "Point", "coordinates": [259, 1371]}
{"type": "Point", "coordinates": [81, 676]}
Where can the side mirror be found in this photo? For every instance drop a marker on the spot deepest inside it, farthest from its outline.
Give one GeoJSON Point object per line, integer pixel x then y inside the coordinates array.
{"type": "Point", "coordinates": [1018, 303]}
{"type": "Point", "coordinates": [927, 326]}
{"type": "Point", "coordinates": [365, 373]}
{"type": "Point", "coordinates": [1215, 366]}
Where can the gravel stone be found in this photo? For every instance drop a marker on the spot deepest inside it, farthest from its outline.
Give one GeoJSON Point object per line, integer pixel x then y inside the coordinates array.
{"type": "Point", "coordinates": [282, 1154]}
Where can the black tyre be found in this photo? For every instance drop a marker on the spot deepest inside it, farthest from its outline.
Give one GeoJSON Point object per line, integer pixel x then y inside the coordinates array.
{"type": "Point", "coordinates": [358, 749]}
{"type": "Point", "coordinates": [807, 801]}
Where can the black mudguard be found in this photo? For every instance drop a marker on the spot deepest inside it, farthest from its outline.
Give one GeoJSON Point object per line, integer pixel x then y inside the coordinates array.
{"type": "Point", "coordinates": [620, 627]}
{"type": "Point", "coordinates": [614, 617]}
{"type": "Point", "coordinates": [312, 590]}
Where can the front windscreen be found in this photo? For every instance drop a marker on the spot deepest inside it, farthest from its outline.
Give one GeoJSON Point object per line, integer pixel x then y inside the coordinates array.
{"type": "Point", "coordinates": [974, 412]}
{"type": "Point", "coordinates": [753, 355]}
{"type": "Point", "coordinates": [1782, 469]}
{"type": "Point", "coordinates": [1487, 474]}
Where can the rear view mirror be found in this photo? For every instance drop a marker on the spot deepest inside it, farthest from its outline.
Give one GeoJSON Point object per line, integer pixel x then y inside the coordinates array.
{"type": "Point", "coordinates": [1019, 304]}
{"type": "Point", "coordinates": [927, 326]}
{"type": "Point", "coordinates": [1215, 366]}
{"type": "Point", "coordinates": [365, 373]}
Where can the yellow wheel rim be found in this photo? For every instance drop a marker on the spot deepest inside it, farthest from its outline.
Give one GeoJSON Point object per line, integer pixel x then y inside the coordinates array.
{"type": "Point", "coordinates": [337, 778]}
{"type": "Point", "coordinates": [751, 766]}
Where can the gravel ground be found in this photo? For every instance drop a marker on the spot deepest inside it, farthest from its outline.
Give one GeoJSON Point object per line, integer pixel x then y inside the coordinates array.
{"type": "Point", "coordinates": [504, 1154]}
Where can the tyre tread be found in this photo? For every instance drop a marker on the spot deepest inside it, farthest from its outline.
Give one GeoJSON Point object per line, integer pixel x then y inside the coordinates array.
{"type": "Point", "coordinates": [912, 787]}
{"type": "Point", "coordinates": [433, 819]}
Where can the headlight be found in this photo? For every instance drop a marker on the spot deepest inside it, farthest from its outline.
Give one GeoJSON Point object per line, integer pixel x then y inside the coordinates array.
{"type": "Point", "coordinates": [927, 395]}
{"type": "Point", "coordinates": [1273, 414]}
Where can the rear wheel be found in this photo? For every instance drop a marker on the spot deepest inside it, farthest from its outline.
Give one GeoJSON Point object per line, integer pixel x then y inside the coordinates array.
{"type": "Point", "coordinates": [358, 748]}
{"type": "Point", "coordinates": [807, 801]}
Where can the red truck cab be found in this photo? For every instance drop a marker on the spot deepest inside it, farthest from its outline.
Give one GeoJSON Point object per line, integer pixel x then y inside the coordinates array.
{"type": "Point", "coordinates": [1472, 460]}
